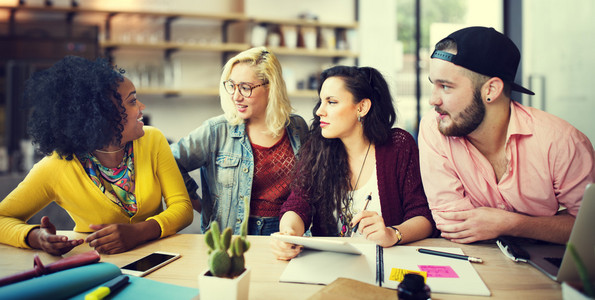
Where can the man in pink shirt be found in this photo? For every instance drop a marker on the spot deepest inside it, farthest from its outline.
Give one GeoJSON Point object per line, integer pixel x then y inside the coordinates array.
{"type": "Point", "coordinates": [491, 166]}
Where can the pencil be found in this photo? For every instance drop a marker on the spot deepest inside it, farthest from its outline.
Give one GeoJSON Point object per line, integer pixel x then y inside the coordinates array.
{"type": "Point", "coordinates": [368, 199]}
{"type": "Point", "coordinates": [451, 255]}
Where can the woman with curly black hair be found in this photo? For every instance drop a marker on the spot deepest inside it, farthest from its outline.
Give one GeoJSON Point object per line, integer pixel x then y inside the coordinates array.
{"type": "Point", "coordinates": [356, 168]}
{"type": "Point", "coordinates": [102, 165]}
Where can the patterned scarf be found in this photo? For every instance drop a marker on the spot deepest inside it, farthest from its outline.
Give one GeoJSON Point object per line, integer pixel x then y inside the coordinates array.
{"type": "Point", "coordinates": [116, 183]}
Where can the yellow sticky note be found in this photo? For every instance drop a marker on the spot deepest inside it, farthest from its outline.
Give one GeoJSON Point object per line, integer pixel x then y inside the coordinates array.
{"type": "Point", "coordinates": [399, 274]}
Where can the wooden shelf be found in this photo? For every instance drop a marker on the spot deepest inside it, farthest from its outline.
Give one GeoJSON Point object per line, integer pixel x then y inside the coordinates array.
{"type": "Point", "coordinates": [240, 17]}
{"type": "Point", "coordinates": [175, 92]}
{"type": "Point", "coordinates": [221, 16]}
{"type": "Point", "coordinates": [304, 94]}
{"type": "Point", "coordinates": [303, 22]}
{"type": "Point", "coordinates": [220, 47]}
{"type": "Point", "coordinates": [312, 52]}
{"type": "Point", "coordinates": [232, 47]}
{"type": "Point", "coordinates": [168, 46]}
{"type": "Point", "coordinates": [176, 46]}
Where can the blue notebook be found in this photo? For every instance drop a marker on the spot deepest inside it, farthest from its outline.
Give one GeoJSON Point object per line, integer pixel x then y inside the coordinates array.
{"type": "Point", "coordinates": [77, 282]}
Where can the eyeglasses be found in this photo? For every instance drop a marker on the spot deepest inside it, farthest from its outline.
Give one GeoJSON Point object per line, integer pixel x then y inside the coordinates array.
{"type": "Point", "coordinates": [244, 87]}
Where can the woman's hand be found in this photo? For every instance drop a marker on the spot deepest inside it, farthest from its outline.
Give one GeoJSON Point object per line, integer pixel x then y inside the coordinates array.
{"type": "Point", "coordinates": [283, 250]}
{"type": "Point", "coordinates": [117, 238]}
{"type": "Point", "coordinates": [290, 224]}
{"type": "Point", "coordinates": [45, 238]}
{"type": "Point", "coordinates": [372, 226]}
{"type": "Point", "coordinates": [195, 200]}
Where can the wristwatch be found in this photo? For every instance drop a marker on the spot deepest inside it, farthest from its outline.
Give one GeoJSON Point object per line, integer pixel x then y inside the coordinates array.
{"type": "Point", "coordinates": [398, 233]}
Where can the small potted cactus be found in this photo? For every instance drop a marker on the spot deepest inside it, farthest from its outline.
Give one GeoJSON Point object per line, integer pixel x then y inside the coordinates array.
{"type": "Point", "coordinates": [572, 290]}
{"type": "Point", "coordinates": [227, 276]}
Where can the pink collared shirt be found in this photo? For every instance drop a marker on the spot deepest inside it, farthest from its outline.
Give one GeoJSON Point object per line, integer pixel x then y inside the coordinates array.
{"type": "Point", "coordinates": [550, 163]}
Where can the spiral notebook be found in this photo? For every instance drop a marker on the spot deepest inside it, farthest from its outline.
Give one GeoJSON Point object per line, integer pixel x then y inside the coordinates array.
{"type": "Point", "coordinates": [384, 266]}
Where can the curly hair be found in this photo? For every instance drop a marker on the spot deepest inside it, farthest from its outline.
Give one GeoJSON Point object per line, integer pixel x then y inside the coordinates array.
{"type": "Point", "coordinates": [268, 69]}
{"type": "Point", "coordinates": [323, 172]}
{"type": "Point", "coordinates": [75, 106]}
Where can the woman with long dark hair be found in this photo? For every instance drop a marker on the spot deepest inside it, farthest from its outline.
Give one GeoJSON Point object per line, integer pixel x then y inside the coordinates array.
{"type": "Point", "coordinates": [355, 168]}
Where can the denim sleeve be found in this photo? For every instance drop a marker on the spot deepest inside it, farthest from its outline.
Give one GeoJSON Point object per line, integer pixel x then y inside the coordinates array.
{"type": "Point", "coordinates": [191, 153]}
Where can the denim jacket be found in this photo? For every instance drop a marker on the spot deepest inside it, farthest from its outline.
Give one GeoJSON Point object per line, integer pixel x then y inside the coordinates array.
{"type": "Point", "coordinates": [224, 155]}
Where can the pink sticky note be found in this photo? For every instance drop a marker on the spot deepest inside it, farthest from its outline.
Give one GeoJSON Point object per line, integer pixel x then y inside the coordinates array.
{"type": "Point", "coordinates": [439, 271]}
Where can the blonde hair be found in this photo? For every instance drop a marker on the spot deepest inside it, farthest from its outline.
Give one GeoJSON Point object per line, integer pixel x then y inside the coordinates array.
{"type": "Point", "coordinates": [268, 70]}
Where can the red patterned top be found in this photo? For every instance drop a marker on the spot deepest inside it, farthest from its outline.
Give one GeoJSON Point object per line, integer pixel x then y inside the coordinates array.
{"type": "Point", "coordinates": [272, 177]}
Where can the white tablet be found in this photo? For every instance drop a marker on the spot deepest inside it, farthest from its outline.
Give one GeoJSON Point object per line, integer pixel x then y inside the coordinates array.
{"type": "Point", "coordinates": [318, 243]}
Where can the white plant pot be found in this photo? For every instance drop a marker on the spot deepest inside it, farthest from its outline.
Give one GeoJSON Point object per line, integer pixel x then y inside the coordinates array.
{"type": "Point", "coordinates": [212, 287]}
{"type": "Point", "coordinates": [571, 293]}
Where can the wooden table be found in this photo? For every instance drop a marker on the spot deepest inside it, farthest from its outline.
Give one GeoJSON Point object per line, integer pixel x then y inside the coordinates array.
{"type": "Point", "coordinates": [505, 278]}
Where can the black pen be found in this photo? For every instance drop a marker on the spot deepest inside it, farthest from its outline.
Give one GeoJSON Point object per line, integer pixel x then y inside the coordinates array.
{"type": "Point", "coordinates": [368, 199]}
{"type": "Point", "coordinates": [380, 265]}
{"type": "Point", "coordinates": [451, 255]}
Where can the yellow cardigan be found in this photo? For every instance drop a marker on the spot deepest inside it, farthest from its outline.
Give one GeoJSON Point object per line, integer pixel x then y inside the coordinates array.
{"type": "Point", "coordinates": [67, 183]}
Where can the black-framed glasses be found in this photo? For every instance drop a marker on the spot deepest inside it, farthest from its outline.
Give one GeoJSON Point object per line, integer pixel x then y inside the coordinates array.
{"type": "Point", "coordinates": [244, 87]}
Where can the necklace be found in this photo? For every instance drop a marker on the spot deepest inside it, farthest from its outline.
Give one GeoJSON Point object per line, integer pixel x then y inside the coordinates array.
{"type": "Point", "coordinates": [345, 215]}
{"type": "Point", "coordinates": [108, 152]}
{"type": "Point", "coordinates": [359, 175]}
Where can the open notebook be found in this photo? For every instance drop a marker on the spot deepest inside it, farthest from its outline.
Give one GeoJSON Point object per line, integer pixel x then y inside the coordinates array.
{"type": "Point", "coordinates": [445, 275]}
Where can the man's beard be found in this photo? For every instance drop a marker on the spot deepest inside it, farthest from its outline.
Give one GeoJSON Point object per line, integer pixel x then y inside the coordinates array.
{"type": "Point", "coordinates": [468, 120]}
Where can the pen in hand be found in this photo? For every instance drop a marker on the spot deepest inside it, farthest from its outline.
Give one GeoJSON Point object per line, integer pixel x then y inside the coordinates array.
{"type": "Point", "coordinates": [368, 199]}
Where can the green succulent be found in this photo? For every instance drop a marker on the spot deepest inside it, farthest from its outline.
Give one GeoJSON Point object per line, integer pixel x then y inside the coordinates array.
{"type": "Point", "coordinates": [582, 271]}
{"type": "Point", "coordinates": [226, 256]}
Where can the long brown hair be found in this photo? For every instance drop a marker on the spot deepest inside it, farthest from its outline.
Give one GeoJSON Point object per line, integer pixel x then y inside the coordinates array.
{"type": "Point", "coordinates": [323, 171]}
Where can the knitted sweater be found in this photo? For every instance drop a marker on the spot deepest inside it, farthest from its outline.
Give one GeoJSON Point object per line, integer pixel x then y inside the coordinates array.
{"type": "Point", "coordinates": [399, 186]}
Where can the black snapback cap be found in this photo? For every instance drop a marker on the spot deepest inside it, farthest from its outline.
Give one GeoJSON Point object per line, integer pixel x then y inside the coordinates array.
{"type": "Point", "coordinates": [485, 51]}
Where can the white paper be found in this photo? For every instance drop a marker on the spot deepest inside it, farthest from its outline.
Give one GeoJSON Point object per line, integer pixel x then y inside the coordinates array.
{"type": "Point", "coordinates": [323, 267]}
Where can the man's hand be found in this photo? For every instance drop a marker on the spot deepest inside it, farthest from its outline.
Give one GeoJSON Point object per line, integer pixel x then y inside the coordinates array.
{"type": "Point", "coordinates": [478, 224]}
{"type": "Point", "coordinates": [45, 238]}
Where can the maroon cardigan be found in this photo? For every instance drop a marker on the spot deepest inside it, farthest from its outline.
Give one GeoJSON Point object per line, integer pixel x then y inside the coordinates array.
{"type": "Point", "coordinates": [400, 189]}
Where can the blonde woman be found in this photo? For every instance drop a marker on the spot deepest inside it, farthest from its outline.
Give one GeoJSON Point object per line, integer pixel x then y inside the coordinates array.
{"type": "Point", "coordinates": [249, 151]}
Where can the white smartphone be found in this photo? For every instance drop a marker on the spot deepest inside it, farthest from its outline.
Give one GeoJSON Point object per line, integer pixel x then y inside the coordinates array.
{"type": "Point", "coordinates": [149, 263]}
